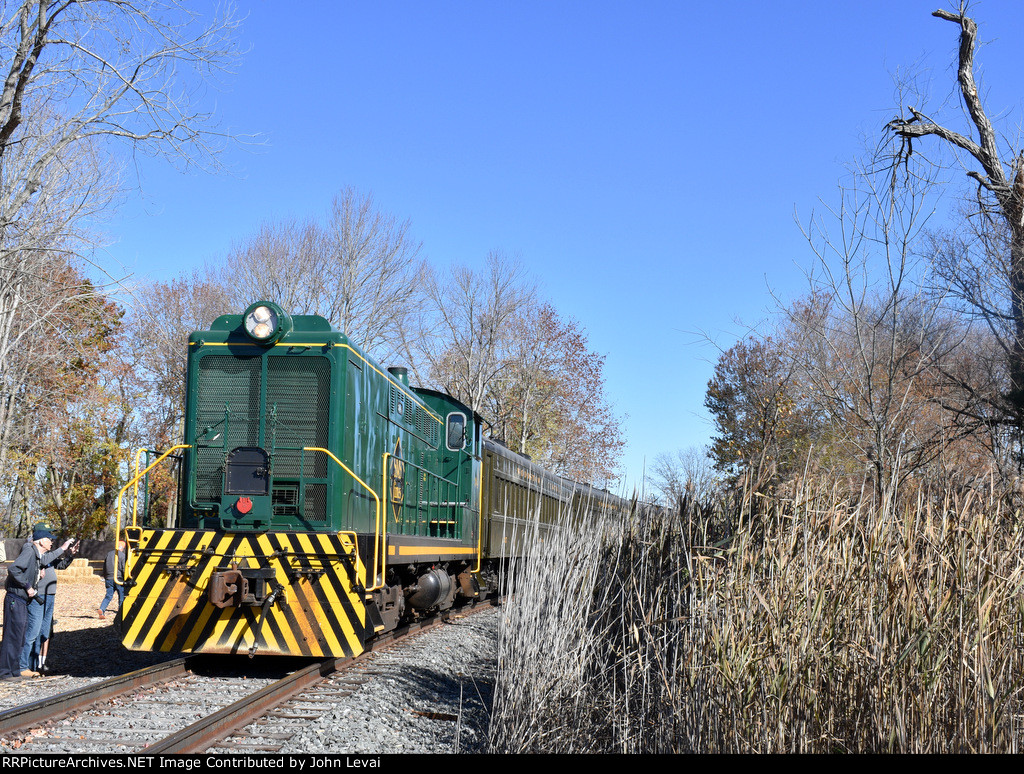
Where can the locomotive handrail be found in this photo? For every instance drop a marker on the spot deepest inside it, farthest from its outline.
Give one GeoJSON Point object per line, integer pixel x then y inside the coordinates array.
{"type": "Point", "coordinates": [480, 517]}
{"type": "Point", "coordinates": [376, 542]}
{"type": "Point", "coordinates": [133, 482]}
{"type": "Point", "coordinates": [135, 494]}
{"type": "Point", "coordinates": [428, 504]}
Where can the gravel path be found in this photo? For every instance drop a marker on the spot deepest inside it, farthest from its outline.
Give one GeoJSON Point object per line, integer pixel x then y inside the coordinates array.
{"type": "Point", "coordinates": [430, 696]}
{"type": "Point", "coordinates": [84, 647]}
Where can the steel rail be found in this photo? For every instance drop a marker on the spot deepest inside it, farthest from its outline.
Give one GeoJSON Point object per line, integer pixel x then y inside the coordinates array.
{"type": "Point", "coordinates": [204, 733]}
{"type": "Point", "coordinates": [221, 724]}
{"type": "Point", "coordinates": [19, 719]}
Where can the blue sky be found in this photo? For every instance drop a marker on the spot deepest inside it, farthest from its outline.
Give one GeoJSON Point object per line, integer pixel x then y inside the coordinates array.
{"type": "Point", "coordinates": [645, 160]}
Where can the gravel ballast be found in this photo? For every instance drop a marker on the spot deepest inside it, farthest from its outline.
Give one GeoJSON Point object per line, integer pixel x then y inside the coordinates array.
{"type": "Point", "coordinates": [430, 695]}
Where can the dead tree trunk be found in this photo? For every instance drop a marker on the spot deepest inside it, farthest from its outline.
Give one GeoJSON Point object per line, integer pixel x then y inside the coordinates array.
{"type": "Point", "coordinates": [1000, 199]}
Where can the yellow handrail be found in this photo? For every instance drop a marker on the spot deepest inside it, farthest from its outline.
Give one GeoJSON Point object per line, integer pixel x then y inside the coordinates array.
{"type": "Point", "coordinates": [379, 534]}
{"type": "Point", "coordinates": [135, 480]}
{"type": "Point", "coordinates": [480, 521]}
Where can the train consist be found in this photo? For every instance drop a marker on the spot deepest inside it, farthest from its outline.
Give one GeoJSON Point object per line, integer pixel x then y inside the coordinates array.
{"type": "Point", "coordinates": [322, 499]}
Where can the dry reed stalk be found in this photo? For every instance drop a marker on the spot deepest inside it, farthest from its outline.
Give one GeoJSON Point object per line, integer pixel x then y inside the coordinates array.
{"type": "Point", "coordinates": [822, 626]}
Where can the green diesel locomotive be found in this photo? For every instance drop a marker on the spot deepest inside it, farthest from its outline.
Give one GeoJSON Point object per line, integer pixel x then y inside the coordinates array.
{"type": "Point", "coordinates": [322, 500]}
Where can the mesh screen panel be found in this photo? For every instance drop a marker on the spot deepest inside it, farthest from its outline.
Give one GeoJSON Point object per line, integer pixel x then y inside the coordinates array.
{"type": "Point", "coordinates": [228, 403]}
{"type": "Point", "coordinates": [298, 389]}
{"type": "Point", "coordinates": [316, 504]}
{"type": "Point", "coordinates": [298, 411]}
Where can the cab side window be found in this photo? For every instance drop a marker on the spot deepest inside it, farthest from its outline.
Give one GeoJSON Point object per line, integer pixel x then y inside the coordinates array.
{"type": "Point", "coordinates": [455, 432]}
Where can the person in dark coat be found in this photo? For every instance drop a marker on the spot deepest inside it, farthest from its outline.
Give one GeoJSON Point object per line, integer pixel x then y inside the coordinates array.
{"type": "Point", "coordinates": [22, 581]}
{"type": "Point", "coordinates": [40, 608]}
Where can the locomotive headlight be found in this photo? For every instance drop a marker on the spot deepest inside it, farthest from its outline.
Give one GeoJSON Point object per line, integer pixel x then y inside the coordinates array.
{"type": "Point", "coordinates": [261, 322]}
{"type": "Point", "coordinates": [265, 322]}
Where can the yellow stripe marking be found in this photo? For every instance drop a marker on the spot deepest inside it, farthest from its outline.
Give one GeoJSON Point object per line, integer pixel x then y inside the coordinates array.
{"type": "Point", "coordinates": [428, 550]}
{"type": "Point", "coordinates": [326, 631]}
{"type": "Point", "coordinates": [275, 615]}
{"type": "Point", "coordinates": [230, 629]}
{"type": "Point", "coordinates": [159, 541]}
{"type": "Point", "coordinates": [195, 597]}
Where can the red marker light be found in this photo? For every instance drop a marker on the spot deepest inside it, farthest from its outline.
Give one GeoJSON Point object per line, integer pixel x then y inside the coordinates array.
{"type": "Point", "coordinates": [244, 505]}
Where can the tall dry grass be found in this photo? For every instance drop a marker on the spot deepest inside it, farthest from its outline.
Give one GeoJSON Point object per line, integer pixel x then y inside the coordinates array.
{"type": "Point", "coordinates": [820, 626]}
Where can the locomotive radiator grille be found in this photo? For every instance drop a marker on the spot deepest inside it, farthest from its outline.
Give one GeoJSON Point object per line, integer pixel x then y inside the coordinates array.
{"type": "Point", "coordinates": [318, 611]}
{"type": "Point", "coordinates": [279, 403]}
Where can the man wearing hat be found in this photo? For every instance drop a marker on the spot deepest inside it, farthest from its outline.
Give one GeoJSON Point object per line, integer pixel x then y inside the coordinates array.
{"type": "Point", "coordinates": [40, 607]}
{"type": "Point", "coordinates": [21, 586]}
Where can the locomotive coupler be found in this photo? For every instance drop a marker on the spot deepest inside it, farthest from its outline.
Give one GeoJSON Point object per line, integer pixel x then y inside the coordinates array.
{"type": "Point", "coordinates": [238, 586]}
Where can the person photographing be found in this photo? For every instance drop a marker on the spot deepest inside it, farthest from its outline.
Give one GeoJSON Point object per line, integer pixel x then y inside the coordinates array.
{"type": "Point", "coordinates": [40, 609]}
{"type": "Point", "coordinates": [22, 585]}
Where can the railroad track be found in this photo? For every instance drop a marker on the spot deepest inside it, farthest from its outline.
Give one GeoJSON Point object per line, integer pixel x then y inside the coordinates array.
{"type": "Point", "coordinates": [183, 706]}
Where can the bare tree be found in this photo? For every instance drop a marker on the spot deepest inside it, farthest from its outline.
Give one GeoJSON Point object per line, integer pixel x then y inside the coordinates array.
{"type": "Point", "coordinates": [986, 275]}
{"type": "Point", "coordinates": [110, 69]}
{"type": "Point", "coordinates": [359, 268]}
{"type": "Point", "coordinates": [379, 273]}
{"type": "Point", "coordinates": [284, 261]}
{"type": "Point", "coordinates": [870, 338]}
{"type": "Point", "coordinates": [82, 78]}
{"type": "Point", "coordinates": [162, 317]}
{"type": "Point", "coordinates": [463, 337]}
{"type": "Point", "coordinates": [686, 473]}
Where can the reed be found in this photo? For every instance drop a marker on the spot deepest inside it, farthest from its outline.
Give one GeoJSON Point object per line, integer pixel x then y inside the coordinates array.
{"type": "Point", "coordinates": [821, 625]}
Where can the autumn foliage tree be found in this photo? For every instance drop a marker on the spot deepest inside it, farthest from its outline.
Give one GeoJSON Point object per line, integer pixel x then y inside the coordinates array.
{"type": "Point", "coordinates": [550, 402]}
{"type": "Point", "coordinates": [488, 340]}
{"type": "Point", "coordinates": [73, 419]}
{"type": "Point", "coordinates": [754, 404]}
{"type": "Point", "coordinates": [859, 392]}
